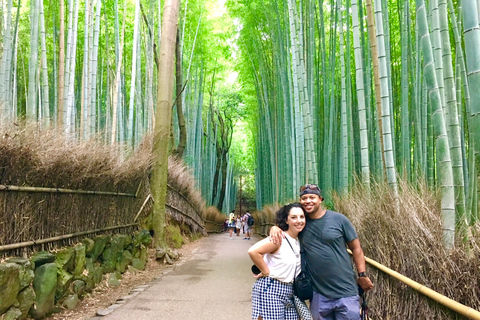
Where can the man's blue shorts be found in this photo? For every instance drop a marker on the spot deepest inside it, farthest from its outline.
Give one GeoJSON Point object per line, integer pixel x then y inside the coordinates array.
{"type": "Point", "coordinates": [323, 308]}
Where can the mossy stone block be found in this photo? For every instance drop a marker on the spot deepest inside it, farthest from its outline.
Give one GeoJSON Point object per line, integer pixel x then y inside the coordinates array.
{"type": "Point", "coordinates": [78, 287]}
{"type": "Point", "coordinates": [118, 241]}
{"type": "Point", "coordinates": [89, 245]}
{"type": "Point", "coordinates": [80, 257]}
{"type": "Point", "coordinates": [25, 272]}
{"type": "Point", "coordinates": [44, 285]}
{"type": "Point", "coordinates": [12, 314]}
{"type": "Point", "coordinates": [143, 254]}
{"type": "Point", "coordinates": [64, 279]}
{"type": "Point", "coordinates": [94, 274]}
{"type": "Point", "coordinates": [65, 259]}
{"type": "Point", "coordinates": [113, 253]}
{"type": "Point", "coordinates": [99, 246]}
{"type": "Point", "coordinates": [87, 275]}
{"type": "Point", "coordinates": [142, 237]}
{"type": "Point", "coordinates": [42, 258]}
{"type": "Point", "coordinates": [22, 262]}
{"type": "Point", "coordinates": [25, 299]}
{"type": "Point", "coordinates": [9, 285]}
{"type": "Point", "coordinates": [113, 280]}
{"type": "Point", "coordinates": [128, 241]}
{"type": "Point", "coordinates": [71, 302]}
{"type": "Point", "coordinates": [138, 264]}
{"type": "Point", "coordinates": [123, 261]}
{"type": "Point", "coordinates": [109, 259]}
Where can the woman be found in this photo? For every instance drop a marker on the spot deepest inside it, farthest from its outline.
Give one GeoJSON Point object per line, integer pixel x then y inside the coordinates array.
{"type": "Point", "coordinates": [231, 223]}
{"type": "Point", "coordinates": [238, 225]}
{"type": "Point", "coordinates": [279, 264]}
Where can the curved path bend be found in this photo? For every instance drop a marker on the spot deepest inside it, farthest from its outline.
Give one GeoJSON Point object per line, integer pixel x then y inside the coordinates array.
{"type": "Point", "coordinates": [215, 282]}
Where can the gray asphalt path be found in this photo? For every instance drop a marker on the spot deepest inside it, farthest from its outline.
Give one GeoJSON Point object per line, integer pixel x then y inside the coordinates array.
{"type": "Point", "coordinates": [214, 283]}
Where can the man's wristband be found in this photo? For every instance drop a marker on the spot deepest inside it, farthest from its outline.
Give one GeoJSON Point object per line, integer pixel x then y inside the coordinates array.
{"type": "Point", "coordinates": [362, 274]}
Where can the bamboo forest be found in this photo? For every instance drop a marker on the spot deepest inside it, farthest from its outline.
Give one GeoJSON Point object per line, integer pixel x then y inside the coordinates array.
{"type": "Point", "coordinates": [267, 94]}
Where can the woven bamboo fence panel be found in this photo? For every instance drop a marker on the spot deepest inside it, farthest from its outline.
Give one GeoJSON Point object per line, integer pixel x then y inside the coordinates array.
{"type": "Point", "coordinates": [179, 208]}
{"type": "Point", "coordinates": [33, 216]}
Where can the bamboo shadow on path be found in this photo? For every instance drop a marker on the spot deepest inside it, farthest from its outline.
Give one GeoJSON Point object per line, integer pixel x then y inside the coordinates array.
{"type": "Point", "coordinates": [214, 283]}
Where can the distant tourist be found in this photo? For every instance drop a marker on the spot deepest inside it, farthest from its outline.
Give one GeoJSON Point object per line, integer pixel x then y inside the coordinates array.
{"type": "Point", "coordinates": [249, 224]}
{"type": "Point", "coordinates": [231, 223]}
{"type": "Point", "coordinates": [244, 223]}
{"type": "Point", "coordinates": [238, 225]}
{"type": "Point", "coordinates": [225, 225]}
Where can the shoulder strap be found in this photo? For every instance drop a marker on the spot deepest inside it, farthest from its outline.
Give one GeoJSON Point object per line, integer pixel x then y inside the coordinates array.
{"type": "Point", "coordinates": [302, 259]}
{"type": "Point", "coordinates": [294, 254]}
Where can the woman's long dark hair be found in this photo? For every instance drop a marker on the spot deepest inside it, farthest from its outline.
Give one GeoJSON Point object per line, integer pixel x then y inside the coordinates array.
{"type": "Point", "coordinates": [282, 215]}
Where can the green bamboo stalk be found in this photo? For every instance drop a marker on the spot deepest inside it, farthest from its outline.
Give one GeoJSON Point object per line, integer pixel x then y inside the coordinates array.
{"type": "Point", "coordinates": [404, 167]}
{"type": "Point", "coordinates": [472, 47]}
{"type": "Point", "coordinates": [437, 53]}
{"type": "Point", "coordinates": [32, 103]}
{"type": "Point", "coordinates": [299, 66]}
{"type": "Point", "coordinates": [44, 113]}
{"type": "Point", "coordinates": [117, 118]}
{"type": "Point", "coordinates": [61, 65]}
{"type": "Point", "coordinates": [453, 120]}
{"type": "Point", "coordinates": [85, 77]}
{"type": "Point", "coordinates": [443, 163]}
{"type": "Point", "coordinates": [94, 71]}
{"type": "Point", "coordinates": [385, 100]}
{"type": "Point", "coordinates": [69, 98]}
{"type": "Point", "coordinates": [133, 82]}
{"type": "Point", "coordinates": [343, 152]}
{"type": "Point", "coordinates": [5, 80]}
{"type": "Point", "coordinates": [364, 145]}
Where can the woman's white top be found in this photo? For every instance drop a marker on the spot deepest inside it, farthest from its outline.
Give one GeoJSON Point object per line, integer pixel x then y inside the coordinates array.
{"type": "Point", "coordinates": [238, 223]}
{"type": "Point", "coordinates": [282, 263]}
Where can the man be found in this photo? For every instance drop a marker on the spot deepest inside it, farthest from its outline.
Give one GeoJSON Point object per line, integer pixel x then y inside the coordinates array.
{"type": "Point", "coordinates": [324, 241]}
{"type": "Point", "coordinates": [248, 225]}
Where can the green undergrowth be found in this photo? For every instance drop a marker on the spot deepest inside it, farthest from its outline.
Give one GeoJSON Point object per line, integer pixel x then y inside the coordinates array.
{"type": "Point", "coordinates": [174, 236]}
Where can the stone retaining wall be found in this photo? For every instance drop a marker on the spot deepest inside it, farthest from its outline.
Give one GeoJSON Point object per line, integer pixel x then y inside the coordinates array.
{"type": "Point", "coordinates": [35, 287]}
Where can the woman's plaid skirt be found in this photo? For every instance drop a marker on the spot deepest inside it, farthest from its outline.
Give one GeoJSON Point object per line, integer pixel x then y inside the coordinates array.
{"type": "Point", "coordinates": [272, 300]}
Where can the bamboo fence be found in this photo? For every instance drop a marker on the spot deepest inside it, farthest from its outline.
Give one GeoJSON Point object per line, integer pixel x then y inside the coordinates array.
{"type": "Point", "coordinates": [38, 218]}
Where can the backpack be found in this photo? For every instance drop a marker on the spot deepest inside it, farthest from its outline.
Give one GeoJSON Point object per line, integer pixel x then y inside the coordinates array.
{"type": "Point", "coordinates": [250, 221]}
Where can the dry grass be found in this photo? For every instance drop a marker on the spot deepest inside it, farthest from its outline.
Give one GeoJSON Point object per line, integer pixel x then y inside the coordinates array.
{"type": "Point", "coordinates": [265, 219]}
{"type": "Point", "coordinates": [181, 178]}
{"type": "Point", "coordinates": [45, 158]}
{"type": "Point", "coordinates": [214, 215]}
{"type": "Point", "coordinates": [410, 242]}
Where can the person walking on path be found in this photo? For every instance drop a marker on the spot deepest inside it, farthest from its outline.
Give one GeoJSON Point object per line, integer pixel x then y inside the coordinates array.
{"type": "Point", "coordinates": [278, 264]}
{"type": "Point", "coordinates": [324, 241]}
{"type": "Point", "coordinates": [249, 221]}
{"type": "Point", "coordinates": [238, 225]}
{"type": "Point", "coordinates": [231, 223]}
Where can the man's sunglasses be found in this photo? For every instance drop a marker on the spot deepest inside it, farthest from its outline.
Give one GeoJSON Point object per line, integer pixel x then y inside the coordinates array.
{"type": "Point", "coordinates": [309, 186]}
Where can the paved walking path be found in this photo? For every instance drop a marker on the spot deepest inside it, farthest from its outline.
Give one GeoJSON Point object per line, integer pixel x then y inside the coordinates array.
{"type": "Point", "coordinates": [214, 283]}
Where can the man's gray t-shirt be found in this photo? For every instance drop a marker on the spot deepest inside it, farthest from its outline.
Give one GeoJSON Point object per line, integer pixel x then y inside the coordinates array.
{"type": "Point", "coordinates": [324, 243]}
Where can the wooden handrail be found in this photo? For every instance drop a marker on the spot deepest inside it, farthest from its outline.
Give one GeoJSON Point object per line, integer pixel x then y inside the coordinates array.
{"type": "Point", "coordinates": [60, 190]}
{"type": "Point", "coordinates": [440, 298]}
{"type": "Point", "coordinates": [62, 237]}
